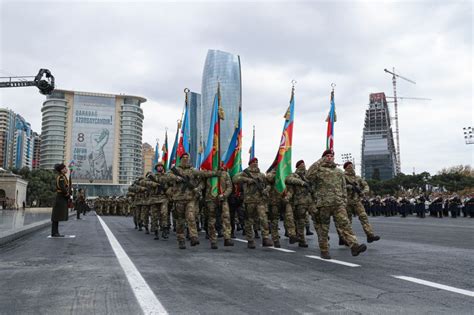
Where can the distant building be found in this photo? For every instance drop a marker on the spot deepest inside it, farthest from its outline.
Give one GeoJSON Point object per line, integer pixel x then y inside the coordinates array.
{"type": "Point", "coordinates": [16, 141]}
{"type": "Point", "coordinates": [195, 125]}
{"type": "Point", "coordinates": [36, 151]}
{"type": "Point", "coordinates": [100, 133]}
{"type": "Point", "coordinates": [148, 154]}
{"type": "Point", "coordinates": [378, 149]}
{"type": "Point", "coordinates": [224, 68]}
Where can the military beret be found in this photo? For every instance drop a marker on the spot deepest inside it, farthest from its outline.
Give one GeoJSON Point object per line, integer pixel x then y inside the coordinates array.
{"type": "Point", "coordinates": [329, 151]}
{"type": "Point", "coordinates": [347, 164]}
{"type": "Point", "coordinates": [185, 153]}
{"type": "Point", "coordinates": [299, 163]}
{"type": "Point", "coordinates": [253, 160]}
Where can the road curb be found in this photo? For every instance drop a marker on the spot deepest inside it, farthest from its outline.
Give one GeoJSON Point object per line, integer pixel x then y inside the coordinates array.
{"type": "Point", "coordinates": [9, 236]}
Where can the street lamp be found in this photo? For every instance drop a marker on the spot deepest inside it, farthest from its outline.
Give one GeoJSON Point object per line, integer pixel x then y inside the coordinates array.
{"type": "Point", "coordinates": [468, 136]}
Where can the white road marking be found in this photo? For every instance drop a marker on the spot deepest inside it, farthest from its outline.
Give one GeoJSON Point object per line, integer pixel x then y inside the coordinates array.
{"type": "Point", "coordinates": [240, 240]}
{"type": "Point", "coordinates": [145, 296]}
{"type": "Point", "coordinates": [65, 236]}
{"type": "Point", "coordinates": [436, 285]}
{"type": "Point", "coordinates": [334, 261]}
{"type": "Point", "coordinates": [283, 250]}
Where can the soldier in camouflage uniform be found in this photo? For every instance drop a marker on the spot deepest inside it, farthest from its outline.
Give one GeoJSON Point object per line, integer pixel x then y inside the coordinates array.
{"type": "Point", "coordinates": [189, 185]}
{"type": "Point", "coordinates": [255, 199]}
{"type": "Point", "coordinates": [158, 184]}
{"type": "Point", "coordinates": [331, 199]}
{"type": "Point", "coordinates": [302, 199]}
{"type": "Point", "coordinates": [215, 201]}
{"type": "Point", "coordinates": [139, 200]}
{"type": "Point", "coordinates": [357, 188]}
{"type": "Point", "coordinates": [145, 209]}
{"type": "Point", "coordinates": [277, 201]}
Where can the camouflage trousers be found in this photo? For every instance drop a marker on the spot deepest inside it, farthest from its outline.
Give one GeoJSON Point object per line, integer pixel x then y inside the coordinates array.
{"type": "Point", "coordinates": [145, 215]}
{"type": "Point", "coordinates": [212, 211]}
{"type": "Point", "coordinates": [301, 213]}
{"type": "Point", "coordinates": [289, 220]}
{"type": "Point", "coordinates": [252, 211]}
{"type": "Point", "coordinates": [135, 214]}
{"type": "Point", "coordinates": [358, 209]}
{"type": "Point", "coordinates": [159, 215]}
{"type": "Point", "coordinates": [322, 217]}
{"type": "Point", "coordinates": [185, 212]}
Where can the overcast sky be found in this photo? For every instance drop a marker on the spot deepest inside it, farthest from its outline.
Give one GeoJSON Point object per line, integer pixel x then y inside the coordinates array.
{"type": "Point", "coordinates": [156, 49]}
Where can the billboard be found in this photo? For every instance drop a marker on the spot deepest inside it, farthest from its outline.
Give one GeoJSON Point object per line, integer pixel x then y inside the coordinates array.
{"type": "Point", "coordinates": [93, 138]}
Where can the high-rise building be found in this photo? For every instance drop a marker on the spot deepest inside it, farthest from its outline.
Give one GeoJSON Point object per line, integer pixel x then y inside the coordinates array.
{"type": "Point", "coordinates": [224, 69]}
{"type": "Point", "coordinates": [16, 141]}
{"type": "Point", "coordinates": [378, 149]}
{"type": "Point", "coordinates": [36, 151]}
{"type": "Point", "coordinates": [148, 154]}
{"type": "Point", "coordinates": [195, 124]}
{"type": "Point", "coordinates": [100, 133]}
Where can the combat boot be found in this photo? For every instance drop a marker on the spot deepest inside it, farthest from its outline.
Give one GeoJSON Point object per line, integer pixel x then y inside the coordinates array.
{"type": "Point", "coordinates": [325, 255]}
{"type": "Point", "coordinates": [251, 244]}
{"type": "Point", "coordinates": [276, 244]}
{"type": "Point", "coordinates": [182, 244]}
{"type": "Point", "coordinates": [166, 233]}
{"type": "Point", "coordinates": [228, 242]}
{"type": "Point", "coordinates": [156, 235]}
{"type": "Point", "coordinates": [356, 249]}
{"type": "Point", "coordinates": [372, 238]}
{"type": "Point", "coordinates": [308, 232]}
{"type": "Point", "coordinates": [213, 245]}
{"type": "Point", "coordinates": [342, 242]}
{"type": "Point", "coordinates": [194, 241]}
{"type": "Point", "coordinates": [293, 239]}
{"type": "Point", "coordinates": [303, 244]}
{"type": "Point", "coordinates": [266, 242]}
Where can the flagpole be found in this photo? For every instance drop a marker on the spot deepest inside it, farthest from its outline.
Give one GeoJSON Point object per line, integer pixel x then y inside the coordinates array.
{"type": "Point", "coordinates": [219, 135]}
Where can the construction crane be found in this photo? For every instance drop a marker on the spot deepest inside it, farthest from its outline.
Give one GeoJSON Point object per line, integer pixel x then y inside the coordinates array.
{"type": "Point", "coordinates": [395, 101]}
{"type": "Point", "coordinates": [44, 81]}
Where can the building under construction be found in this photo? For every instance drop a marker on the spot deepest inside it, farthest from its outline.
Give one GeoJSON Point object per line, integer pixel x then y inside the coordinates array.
{"type": "Point", "coordinates": [379, 158]}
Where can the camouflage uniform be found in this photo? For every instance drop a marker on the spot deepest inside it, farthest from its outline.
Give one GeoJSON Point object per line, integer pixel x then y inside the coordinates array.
{"type": "Point", "coordinates": [145, 208]}
{"type": "Point", "coordinates": [276, 202]}
{"type": "Point", "coordinates": [302, 200]}
{"type": "Point", "coordinates": [331, 198]}
{"type": "Point", "coordinates": [255, 200]}
{"type": "Point", "coordinates": [357, 188]}
{"type": "Point", "coordinates": [158, 184]}
{"type": "Point", "coordinates": [189, 185]}
{"type": "Point", "coordinates": [216, 201]}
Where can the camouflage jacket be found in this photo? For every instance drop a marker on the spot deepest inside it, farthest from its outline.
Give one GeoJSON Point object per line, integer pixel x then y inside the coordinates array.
{"type": "Point", "coordinates": [329, 184]}
{"type": "Point", "coordinates": [226, 187]}
{"type": "Point", "coordinates": [274, 196]}
{"type": "Point", "coordinates": [188, 182]}
{"type": "Point", "coordinates": [158, 185]}
{"type": "Point", "coordinates": [356, 187]}
{"type": "Point", "coordinates": [251, 179]}
{"type": "Point", "coordinates": [299, 188]}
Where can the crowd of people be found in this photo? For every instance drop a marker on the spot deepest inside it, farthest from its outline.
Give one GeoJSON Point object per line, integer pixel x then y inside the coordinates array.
{"type": "Point", "coordinates": [250, 201]}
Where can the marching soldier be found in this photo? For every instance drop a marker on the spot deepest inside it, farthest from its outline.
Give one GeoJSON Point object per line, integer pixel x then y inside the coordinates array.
{"type": "Point", "coordinates": [331, 198]}
{"type": "Point", "coordinates": [255, 196]}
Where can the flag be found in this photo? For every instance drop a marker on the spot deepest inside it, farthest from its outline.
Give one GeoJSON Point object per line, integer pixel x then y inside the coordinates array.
{"type": "Point", "coordinates": [233, 156]}
{"type": "Point", "coordinates": [164, 150]}
{"type": "Point", "coordinates": [156, 157]}
{"type": "Point", "coordinates": [199, 156]}
{"type": "Point", "coordinates": [175, 147]}
{"type": "Point", "coordinates": [331, 119]}
{"type": "Point", "coordinates": [183, 146]}
{"type": "Point", "coordinates": [252, 148]}
{"type": "Point", "coordinates": [282, 162]}
{"type": "Point", "coordinates": [211, 158]}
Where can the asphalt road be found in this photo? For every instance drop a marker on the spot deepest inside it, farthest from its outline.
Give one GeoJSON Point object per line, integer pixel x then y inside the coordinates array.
{"type": "Point", "coordinates": [82, 275]}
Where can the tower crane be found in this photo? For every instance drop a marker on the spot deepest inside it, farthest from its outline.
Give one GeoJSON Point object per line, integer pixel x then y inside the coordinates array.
{"type": "Point", "coordinates": [395, 101]}
{"type": "Point", "coordinates": [44, 81]}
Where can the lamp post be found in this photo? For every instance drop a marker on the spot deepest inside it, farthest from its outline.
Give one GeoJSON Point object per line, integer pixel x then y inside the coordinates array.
{"type": "Point", "coordinates": [468, 135]}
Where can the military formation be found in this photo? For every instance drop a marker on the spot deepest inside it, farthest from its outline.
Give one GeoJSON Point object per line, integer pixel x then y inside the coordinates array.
{"type": "Point", "coordinates": [189, 200]}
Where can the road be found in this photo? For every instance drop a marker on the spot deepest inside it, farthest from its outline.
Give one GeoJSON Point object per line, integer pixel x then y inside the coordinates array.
{"type": "Point", "coordinates": [420, 266]}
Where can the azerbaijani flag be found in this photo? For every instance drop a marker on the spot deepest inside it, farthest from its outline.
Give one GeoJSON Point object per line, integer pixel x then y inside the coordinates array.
{"type": "Point", "coordinates": [282, 161]}
{"type": "Point", "coordinates": [211, 157]}
{"type": "Point", "coordinates": [331, 119]}
{"type": "Point", "coordinates": [183, 145]}
{"type": "Point", "coordinates": [233, 156]}
{"type": "Point", "coordinates": [175, 147]}
{"type": "Point", "coordinates": [156, 157]}
{"type": "Point", "coordinates": [164, 154]}
{"type": "Point", "coordinates": [252, 148]}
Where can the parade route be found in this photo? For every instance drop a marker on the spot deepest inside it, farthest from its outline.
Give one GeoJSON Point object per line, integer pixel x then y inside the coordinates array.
{"type": "Point", "coordinates": [83, 275]}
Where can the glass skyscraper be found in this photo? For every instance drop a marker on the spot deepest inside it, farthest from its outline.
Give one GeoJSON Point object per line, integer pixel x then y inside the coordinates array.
{"type": "Point", "coordinates": [223, 68]}
{"type": "Point", "coordinates": [378, 149]}
{"type": "Point", "coordinates": [195, 124]}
